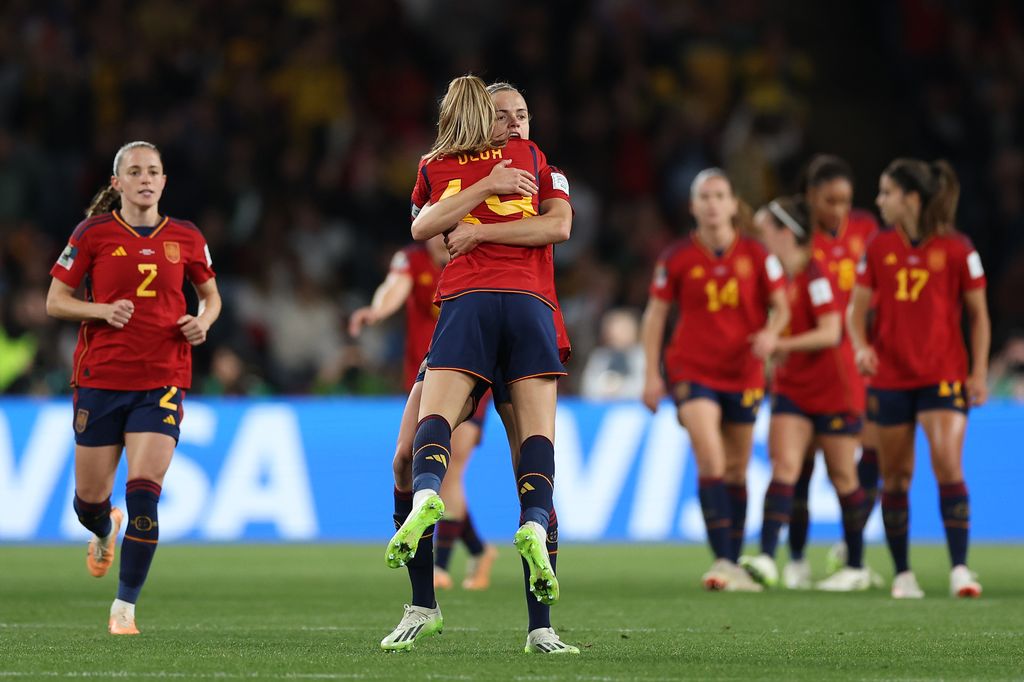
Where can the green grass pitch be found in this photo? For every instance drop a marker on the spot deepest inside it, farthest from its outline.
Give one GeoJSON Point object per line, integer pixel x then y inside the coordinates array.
{"type": "Point", "coordinates": [285, 612]}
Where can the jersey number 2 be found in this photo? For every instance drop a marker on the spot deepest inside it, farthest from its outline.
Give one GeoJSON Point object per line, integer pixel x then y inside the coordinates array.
{"type": "Point", "coordinates": [149, 270]}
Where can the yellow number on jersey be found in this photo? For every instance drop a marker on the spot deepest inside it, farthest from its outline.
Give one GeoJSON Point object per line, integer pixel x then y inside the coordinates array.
{"type": "Point", "coordinates": [909, 282]}
{"type": "Point", "coordinates": [523, 205]}
{"type": "Point", "coordinates": [149, 270]}
{"type": "Point", "coordinates": [726, 296]}
{"type": "Point", "coordinates": [847, 276]}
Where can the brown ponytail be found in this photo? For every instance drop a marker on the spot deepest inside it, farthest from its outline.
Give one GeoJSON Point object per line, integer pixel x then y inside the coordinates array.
{"type": "Point", "coordinates": [105, 201]}
{"type": "Point", "coordinates": [937, 185]}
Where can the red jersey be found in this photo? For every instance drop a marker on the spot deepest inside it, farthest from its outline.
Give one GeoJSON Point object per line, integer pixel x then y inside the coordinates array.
{"type": "Point", "coordinates": [553, 185]}
{"type": "Point", "coordinates": [119, 263]}
{"type": "Point", "coordinates": [420, 312]}
{"type": "Point", "coordinates": [919, 302]}
{"type": "Point", "coordinates": [490, 267]}
{"type": "Point", "coordinates": [722, 301]}
{"type": "Point", "coordinates": [838, 254]}
{"type": "Point", "coordinates": [823, 381]}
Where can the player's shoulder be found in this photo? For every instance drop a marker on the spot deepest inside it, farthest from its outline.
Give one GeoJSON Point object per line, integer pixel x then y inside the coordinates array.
{"type": "Point", "coordinates": [90, 223]}
{"type": "Point", "coordinates": [181, 229]}
{"type": "Point", "coordinates": [885, 237]}
{"type": "Point", "coordinates": [407, 257]}
{"type": "Point", "coordinates": [750, 246]}
{"type": "Point", "coordinates": [813, 271]}
{"type": "Point", "coordinates": [678, 249]}
{"type": "Point", "coordinates": [959, 241]}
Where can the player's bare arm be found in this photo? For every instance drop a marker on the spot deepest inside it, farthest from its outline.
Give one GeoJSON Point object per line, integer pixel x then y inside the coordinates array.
{"type": "Point", "coordinates": [388, 299]}
{"type": "Point", "coordinates": [857, 327]}
{"type": "Point", "coordinates": [766, 340]}
{"type": "Point", "coordinates": [652, 331]}
{"type": "Point", "coordinates": [981, 338]}
{"type": "Point", "coordinates": [195, 328]}
{"type": "Point", "coordinates": [62, 304]}
{"type": "Point", "coordinates": [552, 226]}
{"type": "Point", "coordinates": [437, 218]}
{"type": "Point", "coordinates": [827, 333]}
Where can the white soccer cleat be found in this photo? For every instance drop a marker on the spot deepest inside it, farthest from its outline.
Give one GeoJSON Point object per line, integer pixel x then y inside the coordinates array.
{"type": "Point", "coordinates": [740, 581]}
{"type": "Point", "coordinates": [547, 641]}
{"type": "Point", "coordinates": [963, 582]}
{"type": "Point", "coordinates": [904, 586]}
{"type": "Point", "coordinates": [717, 577]}
{"type": "Point", "coordinates": [417, 622]}
{"type": "Point", "coordinates": [847, 579]}
{"type": "Point", "coordinates": [761, 568]}
{"type": "Point", "coordinates": [796, 575]}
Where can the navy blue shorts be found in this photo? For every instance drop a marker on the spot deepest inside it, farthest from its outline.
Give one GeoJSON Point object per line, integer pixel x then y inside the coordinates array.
{"type": "Point", "coordinates": [102, 417]}
{"type": "Point", "coordinates": [826, 424]}
{"type": "Point", "coordinates": [739, 407]}
{"type": "Point", "coordinates": [900, 406]}
{"type": "Point", "coordinates": [482, 331]}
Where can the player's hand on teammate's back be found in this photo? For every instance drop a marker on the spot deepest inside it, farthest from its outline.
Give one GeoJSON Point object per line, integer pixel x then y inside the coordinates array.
{"type": "Point", "coordinates": [463, 238]}
{"type": "Point", "coordinates": [505, 180]}
{"type": "Point", "coordinates": [977, 390]}
{"type": "Point", "coordinates": [193, 329]}
{"type": "Point", "coordinates": [763, 344]}
{"type": "Point", "coordinates": [119, 312]}
{"type": "Point", "coordinates": [867, 361]}
{"type": "Point", "coordinates": [360, 318]}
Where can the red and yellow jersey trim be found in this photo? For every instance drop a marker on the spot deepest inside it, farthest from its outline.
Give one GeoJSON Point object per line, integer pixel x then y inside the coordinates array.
{"type": "Point", "coordinates": [121, 221]}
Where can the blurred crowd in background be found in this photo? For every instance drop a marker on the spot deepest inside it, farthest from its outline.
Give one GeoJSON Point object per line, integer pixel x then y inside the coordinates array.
{"type": "Point", "coordinates": [291, 130]}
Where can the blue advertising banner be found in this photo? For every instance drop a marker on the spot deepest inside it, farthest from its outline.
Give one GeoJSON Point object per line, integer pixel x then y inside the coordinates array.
{"type": "Point", "coordinates": [320, 470]}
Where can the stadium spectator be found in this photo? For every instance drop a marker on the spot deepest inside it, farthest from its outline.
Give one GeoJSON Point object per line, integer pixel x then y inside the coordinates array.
{"type": "Point", "coordinates": [615, 368]}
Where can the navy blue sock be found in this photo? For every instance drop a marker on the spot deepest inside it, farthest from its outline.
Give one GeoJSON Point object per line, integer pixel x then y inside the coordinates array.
{"type": "Point", "coordinates": [95, 516]}
{"type": "Point", "coordinates": [896, 518]}
{"type": "Point", "coordinates": [799, 518]}
{"type": "Point", "coordinates": [421, 566]}
{"type": "Point", "coordinates": [778, 504]}
{"type": "Point", "coordinates": [448, 531]}
{"type": "Point", "coordinates": [956, 517]}
{"type": "Point", "coordinates": [535, 479]}
{"type": "Point", "coordinates": [737, 519]}
{"type": "Point", "coordinates": [867, 472]}
{"type": "Point", "coordinates": [855, 515]}
{"type": "Point", "coordinates": [470, 538]}
{"type": "Point", "coordinates": [714, 502]}
{"type": "Point", "coordinates": [540, 614]}
{"type": "Point", "coordinates": [431, 450]}
{"type": "Point", "coordinates": [140, 537]}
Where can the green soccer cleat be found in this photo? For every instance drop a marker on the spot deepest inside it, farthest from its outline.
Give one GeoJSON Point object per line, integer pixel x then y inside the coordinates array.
{"type": "Point", "coordinates": [406, 539]}
{"type": "Point", "coordinates": [531, 542]}
{"type": "Point", "coordinates": [417, 622]}
{"type": "Point", "coordinates": [836, 558]}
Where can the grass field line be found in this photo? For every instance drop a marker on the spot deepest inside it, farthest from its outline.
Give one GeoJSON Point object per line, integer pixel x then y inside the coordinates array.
{"type": "Point", "coordinates": [211, 675]}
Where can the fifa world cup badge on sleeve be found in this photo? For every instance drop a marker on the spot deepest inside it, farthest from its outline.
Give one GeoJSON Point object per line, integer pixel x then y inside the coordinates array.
{"type": "Point", "coordinates": [67, 257]}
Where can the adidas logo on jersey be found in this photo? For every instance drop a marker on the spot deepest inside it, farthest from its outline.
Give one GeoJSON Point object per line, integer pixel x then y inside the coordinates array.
{"type": "Point", "coordinates": [169, 419]}
{"type": "Point", "coordinates": [119, 251]}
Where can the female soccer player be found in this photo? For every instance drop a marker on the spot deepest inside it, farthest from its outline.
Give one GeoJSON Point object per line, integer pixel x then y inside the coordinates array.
{"type": "Point", "coordinates": [817, 398]}
{"type": "Point", "coordinates": [840, 234]}
{"type": "Point", "coordinates": [133, 361]}
{"type": "Point", "coordinates": [724, 284]}
{"type": "Point", "coordinates": [922, 273]}
{"type": "Point", "coordinates": [479, 281]}
{"type": "Point", "coordinates": [411, 283]}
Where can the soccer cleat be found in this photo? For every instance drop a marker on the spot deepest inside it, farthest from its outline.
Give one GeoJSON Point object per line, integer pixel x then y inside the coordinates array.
{"type": "Point", "coordinates": [796, 575]}
{"type": "Point", "coordinates": [531, 541]}
{"type": "Point", "coordinates": [547, 641]}
{"type": "Point", "coordinates": [100, 556]}
{"type": "Point", "coordinates": [846, 579]}
{"type": "Point", "coordinates": [442, 581]}
{"type": "Point", "coordinates": [740, 581]}
{"type": "Point", "coordinates": [717, 577]}
{"type": "Point", "coordinates": [417, 622]}
{"type": "Point", "coordinates": [837, 558]}
{"type": "Point", "coordinates": [478, 570]}
{"type": "Point", "coordinates": [963, 582]}
{"type": "Point", "coordinates": [904, 586]}
{"type": "Point", "coordinates": [122, 621]}
{"type": "Point", "coordinates": [406, 539]}
{"type": "Point", "coordinates": [761, 568]}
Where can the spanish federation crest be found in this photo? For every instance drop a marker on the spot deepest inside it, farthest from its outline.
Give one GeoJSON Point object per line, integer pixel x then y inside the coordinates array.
{"type": "Point", "coordinates": [172, 250]}
{"type": "Point", "coordinates": [81, 420]}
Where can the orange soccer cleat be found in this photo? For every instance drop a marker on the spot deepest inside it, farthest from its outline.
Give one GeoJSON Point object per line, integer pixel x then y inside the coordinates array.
{"type": "Point", "coordinates": [122, 621]}
{"type": "Point", "coordinates": [478, 575]}
{"type": "Point", "coordinates": [100, 556]}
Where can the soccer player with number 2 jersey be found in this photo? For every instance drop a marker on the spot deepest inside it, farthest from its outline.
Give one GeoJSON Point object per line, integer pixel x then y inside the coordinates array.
{"type": "Point", "coordinates": [133, 361]}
